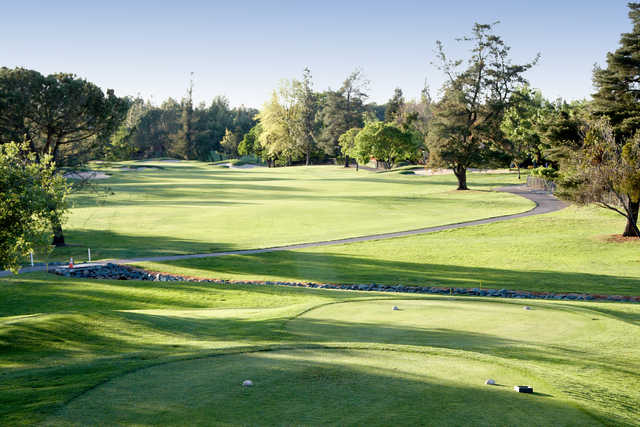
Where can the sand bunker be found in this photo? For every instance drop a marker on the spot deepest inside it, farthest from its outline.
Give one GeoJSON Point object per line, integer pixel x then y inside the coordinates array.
{"type": "Point", "coordinates": [247, 166]}
{"type": "Point", "coordinates": [86, 175]}
{"type": "Point", "coordinates": [141, 168]}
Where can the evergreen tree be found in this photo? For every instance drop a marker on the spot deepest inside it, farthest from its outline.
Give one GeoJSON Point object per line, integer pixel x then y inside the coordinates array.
{"type": "Point", "coordinates": [394, 106]}
{"type": "Point", "coordinates": [618, 85]}
{"type": "Point", "coordinates": [307, 108]}
{"type": "Point", "coordinates": [229, 143]}
{"type": "Point", "coordinates": [466, 126]}
{"type": "Point", "coordinates": [342, 111]}
{"type": "Point", "coordinates": [183, 139]}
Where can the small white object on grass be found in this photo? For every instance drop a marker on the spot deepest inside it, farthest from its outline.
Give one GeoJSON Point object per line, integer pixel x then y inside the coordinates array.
{"type": "Point", "coordinates": [490, 382]}
{"type": "Point", "coordinates": [395, 308]}
{"type": "Point", "coordinates": [526, 307]}
{"type": "Point", "coordinates": [247, 383]}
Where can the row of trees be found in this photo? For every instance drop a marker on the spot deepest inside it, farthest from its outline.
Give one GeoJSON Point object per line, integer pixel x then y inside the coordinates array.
{"type": "Point", "coordinates": [299, 124]}
{"type": "Point", "coordinates": [177, 129]}
{"type": "Point", "coordinates": [486, 115]}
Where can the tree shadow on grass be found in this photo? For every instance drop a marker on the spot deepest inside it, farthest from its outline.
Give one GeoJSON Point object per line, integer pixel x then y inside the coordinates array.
{"type": "Point", "coordinates": [36, 293]}
{"type": "Point", "coordinates": [338, 268]}
{"type": "Point", "coordinates": [106, 244]}
{"type": "Point", "coordinates": [77, 337]}
{"type": "Point", "coordinates": [295, 390]}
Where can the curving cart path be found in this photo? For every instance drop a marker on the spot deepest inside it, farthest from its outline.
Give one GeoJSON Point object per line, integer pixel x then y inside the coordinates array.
{"type": "Point", "coordinates": [545, 203]}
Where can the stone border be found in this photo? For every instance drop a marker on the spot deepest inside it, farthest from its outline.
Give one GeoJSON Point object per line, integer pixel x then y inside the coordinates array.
{"type": "Point", "coordinates": [123, 272]}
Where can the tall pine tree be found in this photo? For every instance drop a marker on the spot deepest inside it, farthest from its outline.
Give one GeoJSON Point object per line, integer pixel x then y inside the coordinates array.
{"type": "Point", "coordinates": [618, 85]}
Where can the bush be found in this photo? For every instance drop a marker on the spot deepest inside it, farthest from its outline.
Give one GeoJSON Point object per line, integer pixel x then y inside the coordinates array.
{"type": "Point", "coordinates": [250, 159]}
{"type": "Point", "coordinates": [545, 172]}
{"type": "Point", "coordinates": [216, 156]}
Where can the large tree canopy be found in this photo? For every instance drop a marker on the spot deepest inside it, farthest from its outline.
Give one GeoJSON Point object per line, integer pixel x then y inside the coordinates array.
{"type": "Point", "coordinates": [57, 114]}
{"type": "Point", "coordinates": [385, 142]}
{"type": "Point", "coordinates": [520, 126]}
{"type": "Point", "coordinates": [466, 124]}
{"type": "Point", "coordinates": [605, 172]}
{"type": "Point", "coordinates": [31, 193]}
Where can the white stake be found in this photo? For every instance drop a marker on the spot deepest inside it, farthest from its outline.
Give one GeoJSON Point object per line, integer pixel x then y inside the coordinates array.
{"type": "Point", "coordinates": [31, 256]}
{"type": "Point", "coordinates": [89, 252]}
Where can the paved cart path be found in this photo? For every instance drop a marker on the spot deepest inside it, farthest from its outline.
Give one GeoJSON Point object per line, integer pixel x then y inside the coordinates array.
{"type": "Point", "coordinates": [545, 203]}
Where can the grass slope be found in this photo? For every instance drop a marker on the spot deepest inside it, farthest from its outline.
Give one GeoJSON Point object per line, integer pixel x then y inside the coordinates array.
{"type": "Point", "coordinates": [84, 352]}
{"type": "Point", "coordinates": [560, 252]}
{"type": "Point", "coordinates": [191, 207]}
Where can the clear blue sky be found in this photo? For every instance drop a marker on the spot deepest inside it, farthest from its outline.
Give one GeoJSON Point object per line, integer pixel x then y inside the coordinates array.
{"type": "Point", "coordinates": [242, 49]}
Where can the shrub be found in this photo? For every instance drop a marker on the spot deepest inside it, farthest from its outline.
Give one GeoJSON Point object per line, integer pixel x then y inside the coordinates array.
{"type": "Point", "coordinates": [216, 156]}
{"type": "Point", "coordinates": [248, 159]}
{"type": "Point", "coordinates": [545, 172]}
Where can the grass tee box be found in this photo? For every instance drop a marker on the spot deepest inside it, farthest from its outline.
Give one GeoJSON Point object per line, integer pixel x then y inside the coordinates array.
{"type": "Point", "coordinates": [192, 207]}
{"type": "Point", "coordinates": [78, 352]}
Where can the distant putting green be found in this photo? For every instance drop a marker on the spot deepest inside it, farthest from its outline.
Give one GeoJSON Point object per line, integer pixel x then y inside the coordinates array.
{"type": "Point", "coordinates": [165, 208]}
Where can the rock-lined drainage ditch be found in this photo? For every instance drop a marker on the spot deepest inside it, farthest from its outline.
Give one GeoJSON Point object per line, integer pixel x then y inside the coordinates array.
{"type": "Point", "coordinates": [121, 272]}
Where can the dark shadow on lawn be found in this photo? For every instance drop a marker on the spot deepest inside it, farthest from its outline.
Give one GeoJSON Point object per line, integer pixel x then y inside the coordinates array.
{"type": "Point", "coordinates": [36, 293]}
{"type": "Point", "coordinates": [111, 245]}
{"type": "Point", "coordinates": [306, 392]}
{"type": "Point", "coordinates": [344, 269]}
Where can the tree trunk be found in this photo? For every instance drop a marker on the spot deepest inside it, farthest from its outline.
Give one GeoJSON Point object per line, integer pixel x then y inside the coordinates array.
{"type": "Point", "coordinates": [357, 166]}
{"type": "Point", "coordinates": [58, 236]}
{"type": "Point", "coordinates": [631, 230]}
{"type": "Point", "coordinates": [307, 160]}
{"type": "Point", "coordinates": [346, 161]}
{"type": "Point", "coordinates": [518, 166]}
{"type": "Point", "coordinates": [461, 173]}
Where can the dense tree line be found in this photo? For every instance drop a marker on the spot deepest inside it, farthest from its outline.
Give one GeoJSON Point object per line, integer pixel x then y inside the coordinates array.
{"type": "Point", "coordinates": [300, 125]}
{"type": "Point", "coordinates": [177, 129]}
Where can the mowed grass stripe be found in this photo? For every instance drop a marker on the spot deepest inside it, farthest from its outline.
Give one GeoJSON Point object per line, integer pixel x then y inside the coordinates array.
{"type": "Point", "coordinates": [190, 207]}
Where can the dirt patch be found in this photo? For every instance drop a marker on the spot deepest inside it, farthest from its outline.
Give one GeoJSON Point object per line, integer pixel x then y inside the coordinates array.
{"type": "Point", "coordinates": [87, 175]}
{"type": "Point", "coordinates": [618, 238]}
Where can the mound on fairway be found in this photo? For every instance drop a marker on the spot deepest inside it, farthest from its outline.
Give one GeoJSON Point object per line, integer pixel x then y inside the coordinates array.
{"type": "Point", "coordinates": [361, 387]}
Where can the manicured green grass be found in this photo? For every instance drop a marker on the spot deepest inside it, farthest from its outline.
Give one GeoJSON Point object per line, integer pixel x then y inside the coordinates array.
{"type": "Point", "coordinates": [83, 352]}
{"type": "Point", "coordinates": [191, 207]}
{"type": "Point", "coordinates": [94, 352]}
{"type": "Point", "coordinates": [566, 251]}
